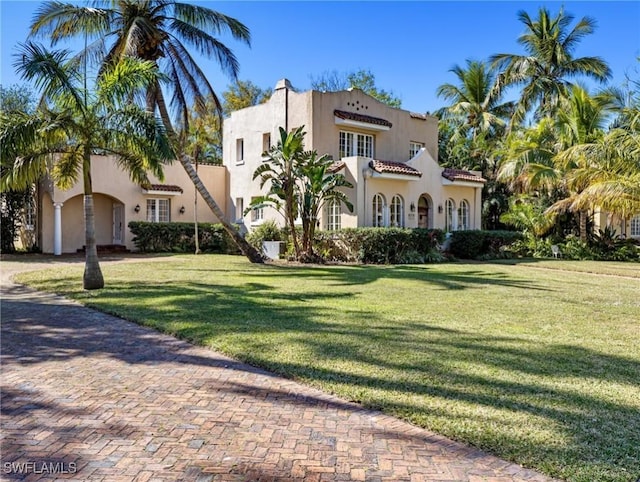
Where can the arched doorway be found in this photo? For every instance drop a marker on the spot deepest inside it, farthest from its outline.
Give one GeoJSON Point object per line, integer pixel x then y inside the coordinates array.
{"type": "Point", "coordinates": [425, 212]}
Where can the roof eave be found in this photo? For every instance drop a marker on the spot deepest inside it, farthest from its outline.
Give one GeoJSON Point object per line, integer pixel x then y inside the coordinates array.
{"type": "Point", "coordinates": [396, 177]}
{"type": "Point", "coordinates": [361, 125]}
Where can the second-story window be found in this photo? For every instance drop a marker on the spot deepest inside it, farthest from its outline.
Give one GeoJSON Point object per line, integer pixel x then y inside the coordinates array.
{"type": "Point", "coordinates": [356, 144]}
{"type": "Point", "coordinates": [239, 151]}
{"type": "Point", "coordinates": [414, 149]}
{"type": "Point", "coordinates": [266, 142]}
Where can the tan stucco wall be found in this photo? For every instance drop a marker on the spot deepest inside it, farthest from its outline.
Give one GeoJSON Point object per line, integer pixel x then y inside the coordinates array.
{"type": "Point", "coordinates": [113, 186]}
{"type": "Point", "coordinates": [285, 107]}
{"type": "Point", "coordinates": [391, 145]}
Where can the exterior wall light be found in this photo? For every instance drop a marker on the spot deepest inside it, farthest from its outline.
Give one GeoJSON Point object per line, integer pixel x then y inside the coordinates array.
{"type": "Point", "coordinates": [137, 208]}
{"type": "Point", "coordinates": [182, 210]}
{"type": "Point", "coordinates": [412, 208]}
{"type": "Point", "coordinates": [440, 208]}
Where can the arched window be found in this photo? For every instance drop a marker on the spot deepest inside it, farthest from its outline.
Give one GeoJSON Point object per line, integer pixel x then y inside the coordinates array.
{"type": "Point", "coordinates": [463, 215]}
{"type": "Point", "coordinates": [378, 211]}
{"type": "Point", "coordinates": [449, 210]}
{"type": "Point", "coordinates": [396, 212]}
{"type": "Point", "coordinates": [635, 226]}
{"type": "Point", "coordinates": [334, 216]}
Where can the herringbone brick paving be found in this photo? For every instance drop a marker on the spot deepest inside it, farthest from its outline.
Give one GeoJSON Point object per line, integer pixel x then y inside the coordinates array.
{"type": "Point", "coordinates": [123, 402]}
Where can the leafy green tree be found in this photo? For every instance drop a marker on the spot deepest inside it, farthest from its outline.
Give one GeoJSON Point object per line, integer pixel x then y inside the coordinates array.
{"type": "Point", "coordinates": [364, 80]}
{"type": "Point", "coordinates": [73, 123]}
{"type": "Point", "coordinates": [158, 31]}
{"type": "Point", "coordinates": [13, 99]}
{"type": "Point", "coordinates": [243, 93]}
{"type": "Point", "coordinates": [545, 70]}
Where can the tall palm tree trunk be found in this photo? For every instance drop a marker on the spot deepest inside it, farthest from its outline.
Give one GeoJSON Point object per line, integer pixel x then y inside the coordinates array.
{"type": "Point", "coordinates": [582, 216]}
{"type": "Point", "coordinates": [92, 278]}
{"type": "Point", "coordinates": [249, 251]}
{"type": "Point", "coordinates": [195, 216]}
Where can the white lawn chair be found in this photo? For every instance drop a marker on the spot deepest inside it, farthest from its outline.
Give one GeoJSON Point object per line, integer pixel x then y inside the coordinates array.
{"type": "Point", "coordinates": [555, 250]}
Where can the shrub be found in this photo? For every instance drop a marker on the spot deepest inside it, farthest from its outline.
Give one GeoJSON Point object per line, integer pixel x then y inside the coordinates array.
{"type": "Point", "coordinates": [180, 238]}
{"type": "Point", "coordinates": [379, 245]}
{"type": "Point", "coordinates": [482, 244]}
{"type": "Point", "coordinates": [267, 231]}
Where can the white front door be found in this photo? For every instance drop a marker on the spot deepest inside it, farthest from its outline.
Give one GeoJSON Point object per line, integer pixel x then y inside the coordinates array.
{"type": "Point", "coordinates": [118, 221]}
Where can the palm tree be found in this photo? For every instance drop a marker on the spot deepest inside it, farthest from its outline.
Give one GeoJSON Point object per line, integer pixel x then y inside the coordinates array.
{"type": "Point", "coordinates": [534, 161]}
{"type": "Point", "coordinates": [544, 72]}
{"type": "Point", "coordinates": [280, 171]}
{"type": "Point", "coordinates": [158, 31]}
{"type": "Point", "coordinates": [318, 186]}
{"type": "Point", "coordinates": [72, 123]}
{"type": "Point", "coordinates": [476, 104]}
{"type": "Point", "coordinates": [606, 174]}
{"type": "Point", "coordinates": [472, 126]}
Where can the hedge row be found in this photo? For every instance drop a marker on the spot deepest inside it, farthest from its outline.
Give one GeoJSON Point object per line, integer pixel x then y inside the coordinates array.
{"type": "Point", "coordinates": [482, 244]}
{"type": "Point", "coordinates": [380, 245]}
{"type": "Point", "coordinates": [180, 238]}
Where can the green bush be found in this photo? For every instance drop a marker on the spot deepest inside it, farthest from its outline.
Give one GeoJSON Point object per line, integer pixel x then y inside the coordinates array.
{"type": "Point", "coordinates": [267, 231]}
{"type": "Point", "coordinates": [380, 245]}
{"type": "Point", "coordinates": [180, 238]}
{"type": "Point", "coordinates": [482, 244]}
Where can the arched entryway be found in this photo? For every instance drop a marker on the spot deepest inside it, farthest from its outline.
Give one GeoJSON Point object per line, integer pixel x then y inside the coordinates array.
{"type": "Point", "coordinates": [109, 216]}
{"type": "Point", "coordinates": [425, 212]}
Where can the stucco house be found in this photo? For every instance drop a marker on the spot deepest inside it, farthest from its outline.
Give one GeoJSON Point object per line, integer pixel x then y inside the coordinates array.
{"type": "Point", "coordinates": [59, 221]}
{"type": "Point", "coordinates": [389, 155]}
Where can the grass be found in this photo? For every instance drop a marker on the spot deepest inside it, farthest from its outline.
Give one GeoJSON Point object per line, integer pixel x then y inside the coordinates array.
{"type": "Point", "coordinates": [536, 364]}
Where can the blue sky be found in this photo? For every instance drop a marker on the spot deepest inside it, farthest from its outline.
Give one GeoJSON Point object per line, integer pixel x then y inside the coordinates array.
{"type": "Point", "coordinates": [409, 46]}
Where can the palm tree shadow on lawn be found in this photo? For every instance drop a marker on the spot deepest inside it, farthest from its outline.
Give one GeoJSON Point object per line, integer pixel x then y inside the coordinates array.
{"type": "Point", "coordinates": [392, 365]}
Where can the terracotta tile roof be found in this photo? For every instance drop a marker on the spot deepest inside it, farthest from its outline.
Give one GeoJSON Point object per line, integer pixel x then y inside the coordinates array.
{"type": "Point", "coordinates": [361, 118]}
{"type": "Point", "coordinates": [391, 167]}
{"type": "Point", "coordinates": [163, 187]}
{"type": "Point", "coordinates": [461, 175]}
{"type": "Point", "coordinates": [415, 115]}
{"type": "Point", "coordinates": [336, 166]}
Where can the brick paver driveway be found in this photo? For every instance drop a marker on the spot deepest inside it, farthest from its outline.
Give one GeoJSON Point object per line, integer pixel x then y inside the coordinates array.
{"type": "Point", "coordinates": [104, 399]}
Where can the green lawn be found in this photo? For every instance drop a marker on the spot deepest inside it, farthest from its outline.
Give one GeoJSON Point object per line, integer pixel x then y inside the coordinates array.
{"type": "Point", "coordinates": [538, 362]}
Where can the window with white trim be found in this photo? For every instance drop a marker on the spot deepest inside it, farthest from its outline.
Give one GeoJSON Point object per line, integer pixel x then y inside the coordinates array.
{"type": "Point", "coordinates": [414, 148]}
{"type": "Point", "coordinates": [378, 211]}
{"type": "Point", "coordinates": [239, 151]}
{"type": "Point", "coordinates": [158, 210]}
{"type": "Point", "coordinates": [355, 144]}
{"type": "Point", "coordinates": [334, 215]}
{"type": "Point", "coordinates": [257, 213]}
{"type": "Point", "coordinates": [449, 210]}
{"type": "Point", "coordinates": [635, 226]}
{"type": "Point", "coordinates": [395, 214]}
{"type": "Point", "coordinates": [463, 215]}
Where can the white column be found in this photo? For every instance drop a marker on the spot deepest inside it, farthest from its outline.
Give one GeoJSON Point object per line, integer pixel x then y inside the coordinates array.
{"type": "Point", "coordinates": [57, 229]}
